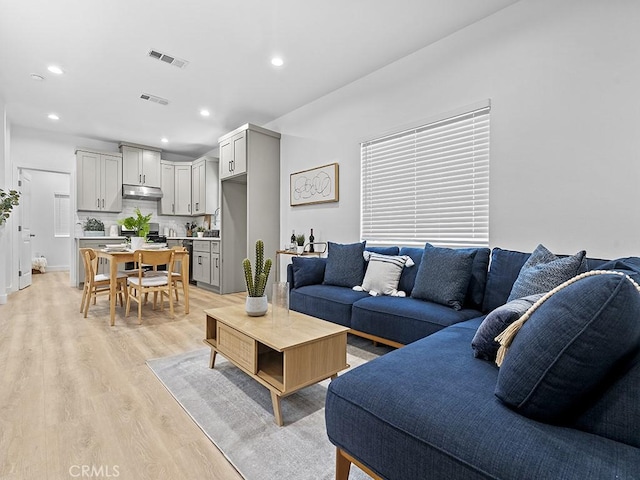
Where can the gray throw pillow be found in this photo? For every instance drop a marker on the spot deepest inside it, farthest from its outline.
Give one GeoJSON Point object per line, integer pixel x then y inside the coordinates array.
{"type": "Point", "coordinates": [443, 276]}
{"type": "Point", "coordinates": [484, 344]}
{"type": "Point", "coordinates": [544, 271]}
{"type": "Point", "coordinates": [345, 264]}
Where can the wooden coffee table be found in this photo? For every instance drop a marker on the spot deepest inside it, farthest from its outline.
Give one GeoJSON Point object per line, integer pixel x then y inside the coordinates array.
{"type": "Point", "coordinates": [282, 355]}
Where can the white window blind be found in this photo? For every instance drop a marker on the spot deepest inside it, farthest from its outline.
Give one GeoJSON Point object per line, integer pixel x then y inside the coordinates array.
{"type": "Point", "coordinates": [61, 215]}
{"type": "Point", "coordinates": [428, 184]}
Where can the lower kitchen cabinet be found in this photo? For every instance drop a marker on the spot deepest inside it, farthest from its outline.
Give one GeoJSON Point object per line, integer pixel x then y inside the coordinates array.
{"type": "Point", "coordinates": [206, 263]}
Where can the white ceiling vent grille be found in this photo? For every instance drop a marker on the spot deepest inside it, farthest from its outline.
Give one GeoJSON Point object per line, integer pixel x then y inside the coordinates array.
{"type": "Point", "coordinates": [170, 59]}
{"type": "Point", "coordinates": [154, 99]}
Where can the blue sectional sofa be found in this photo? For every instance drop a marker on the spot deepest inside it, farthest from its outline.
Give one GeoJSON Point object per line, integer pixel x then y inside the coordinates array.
{"type": "Point", "coordinates": [433, 410]}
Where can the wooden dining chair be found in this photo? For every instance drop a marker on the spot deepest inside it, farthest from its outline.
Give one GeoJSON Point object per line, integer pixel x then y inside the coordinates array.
{"type": "Point", "coordinates": [97, 283]}
{"type": "Point", "coordinates": [176, 273]}
{"type": "Point", "coordinates": [140, 286]}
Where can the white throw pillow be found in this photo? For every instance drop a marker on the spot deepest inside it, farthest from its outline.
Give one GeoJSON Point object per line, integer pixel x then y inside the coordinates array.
{"type": "Point", "coordinates": [383, 274]}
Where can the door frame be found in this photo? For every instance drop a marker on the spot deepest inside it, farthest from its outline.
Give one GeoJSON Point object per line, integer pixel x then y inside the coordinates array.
{"type": "Point", "coordinates": [16, 237]}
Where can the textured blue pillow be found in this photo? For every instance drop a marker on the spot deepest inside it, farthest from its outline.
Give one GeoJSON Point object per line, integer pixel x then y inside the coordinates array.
{"type": "Point", "coordinates": [569, 346]}
{"type": "Point", "coordinates": [345, 264]}
{"type": "Point", "coordinates": [484, 344]}
{"type": "Point", "coordinates": [307, 271]}
{"type": "Point", "coordinates": [544, 271]}
{"type": "Point", "coordinates": [443, 276]}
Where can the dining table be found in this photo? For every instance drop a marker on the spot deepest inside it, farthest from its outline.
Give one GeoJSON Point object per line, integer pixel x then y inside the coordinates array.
{"type": "Point", "coordinates": [117, 257]}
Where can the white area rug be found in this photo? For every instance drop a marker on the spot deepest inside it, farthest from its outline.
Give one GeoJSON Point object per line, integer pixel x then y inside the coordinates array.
{"type": "Point", "coordinates": [235, 412]}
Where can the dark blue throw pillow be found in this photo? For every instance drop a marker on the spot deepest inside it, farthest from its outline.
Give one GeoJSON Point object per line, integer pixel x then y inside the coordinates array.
{"type": "Point", "coordinates": [307, 271]}
{"type": "Point", "coordinates": [345, 264]}
{"type": "Point", "coordinates": [569, 346]}
{"type": "Point", "coordinates": [443, 276]}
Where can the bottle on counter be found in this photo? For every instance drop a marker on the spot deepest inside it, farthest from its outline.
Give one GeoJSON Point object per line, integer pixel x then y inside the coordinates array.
{"type": "Point", "coordinates": [311, 239]}
{"type": "Point", "coordinates": [293, 244]}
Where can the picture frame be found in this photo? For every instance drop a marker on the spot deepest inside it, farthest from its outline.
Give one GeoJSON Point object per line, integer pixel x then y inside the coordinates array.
{"type": "Point", "coordinates": [315, 185]}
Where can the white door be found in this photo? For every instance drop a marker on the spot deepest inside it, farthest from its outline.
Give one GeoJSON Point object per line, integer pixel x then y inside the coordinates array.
{"type": "Point", "coordinates": [24, 279]}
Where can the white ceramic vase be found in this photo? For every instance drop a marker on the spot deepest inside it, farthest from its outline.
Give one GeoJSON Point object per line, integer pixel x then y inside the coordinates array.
{"type": "Point", "coordinates": [137, 243]}
{"type": "Point", "coordinates": [300, 249]}
{"type": "Point", "coordinates": [256, 306]}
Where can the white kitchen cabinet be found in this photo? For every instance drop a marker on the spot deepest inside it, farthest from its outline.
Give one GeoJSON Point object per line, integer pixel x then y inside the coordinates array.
{"type": "Point", "coordinates": [99, 181]}
{"type": "Point", "coordinates": [215, 264]}
{"type": "Point", "coordinates": [250, 203]}
{"type": "Point", "coordinates": [233, 155]}
{"type": "Point", "coordinates": [175, 180]}
{"type": "Point", "coordinates": [202, 261]}
{"type": "Point", "coordinates": [140, 166]}
{"type": "Point", "coordinates": [204, 186]}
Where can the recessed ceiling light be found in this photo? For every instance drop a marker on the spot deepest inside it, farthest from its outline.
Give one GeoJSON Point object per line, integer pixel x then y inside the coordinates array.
{"type": "Point", "coordinates": [204, 112]}
{"type": "Point", "coordinates": [36, 77]}
{"type": "Point", "coordinates": [53, 116]}
{"type": "Point", "coordinates": [164, 140]}
{"type": "Point", "coordinates": [55, 69]}
{"type": "Point", "coordinates": [277, 62]}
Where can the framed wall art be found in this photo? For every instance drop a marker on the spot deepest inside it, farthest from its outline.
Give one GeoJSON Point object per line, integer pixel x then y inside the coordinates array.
{"type": "Point", "coordinates": [316, 185]}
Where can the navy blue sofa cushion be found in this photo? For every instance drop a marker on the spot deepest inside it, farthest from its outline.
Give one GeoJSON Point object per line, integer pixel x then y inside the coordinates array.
{"type": "Point", "coordinates": [408, 276]}
{"type": "Point", "coordinates": [428, 411]}
{"type": "Point", "coordinates": [307, 271]}
{"type": "Point", "coordinates": [404, 320]}
{"type": "Point", "coordinates": [384, 250]}
{"type": "Point", "coordinates": [327, 302]}
{"type": "Point", "coordinates": [503, 270]}
{"type": "Point", "coordinates": [345, 264]}
{"type": "Point", "coordinates": [615, 410]}
{"type": "Point", "coordinates": [569, 345]}
{"type": "Point", "coordinates": [443, 276]}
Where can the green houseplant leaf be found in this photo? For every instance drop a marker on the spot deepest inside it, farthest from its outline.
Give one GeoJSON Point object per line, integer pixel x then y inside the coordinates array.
{"type": "Point", "coordinates": [139, 223]}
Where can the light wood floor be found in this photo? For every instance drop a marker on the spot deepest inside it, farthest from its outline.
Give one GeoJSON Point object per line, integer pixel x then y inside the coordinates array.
{"type": "Point", "coordinates": [74, 391]}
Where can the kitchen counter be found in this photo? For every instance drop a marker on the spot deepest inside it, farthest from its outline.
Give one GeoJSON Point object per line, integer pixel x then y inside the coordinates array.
{"type": "Point", "coordinates": [100, 237]}
{"type": "Point", "coordinates": [194, 238]}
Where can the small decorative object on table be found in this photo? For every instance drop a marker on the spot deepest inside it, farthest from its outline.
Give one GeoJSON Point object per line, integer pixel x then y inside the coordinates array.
{"type": "Point", "coordinates": [311, 239]}
{"type": "Point", "coordinates": [300, 241]}
{"type": "Point", "coordinates": [200, 232]}
{"type": "Point", "coordinates": [293, 244]}
{"type": "Point", "coordinates": [256, 304]}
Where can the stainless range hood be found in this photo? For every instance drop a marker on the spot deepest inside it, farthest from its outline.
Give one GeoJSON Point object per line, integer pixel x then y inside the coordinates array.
{"type": "Point", "coordinates": [140, 192]}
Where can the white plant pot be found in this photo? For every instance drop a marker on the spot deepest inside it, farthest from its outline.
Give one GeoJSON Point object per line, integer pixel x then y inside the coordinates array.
{"type": "Point", "coordinates": [200, 234]}
{"type": "Point", "coordinates": [256, 306]}
{"type": "Point", "coordinates": [137, 243]}
{"type": "Point", "coordinates": [300, 249]}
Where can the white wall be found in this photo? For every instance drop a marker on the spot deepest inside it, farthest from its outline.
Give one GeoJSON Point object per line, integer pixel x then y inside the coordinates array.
{"type": "Point", "coordinates": [563, 79]}
{"type": "Point", "coordinates": [55, 249]}
{"type": "Point", "coordinates": [5, 240]}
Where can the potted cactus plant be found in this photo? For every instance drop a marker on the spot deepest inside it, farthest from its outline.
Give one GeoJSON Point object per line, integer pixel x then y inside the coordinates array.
{"type": "Point", "coordinates": [256, 303]}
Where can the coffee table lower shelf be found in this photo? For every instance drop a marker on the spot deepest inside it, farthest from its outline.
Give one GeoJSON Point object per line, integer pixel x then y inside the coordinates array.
{"type": "Point", "coordinates": [282, 358]}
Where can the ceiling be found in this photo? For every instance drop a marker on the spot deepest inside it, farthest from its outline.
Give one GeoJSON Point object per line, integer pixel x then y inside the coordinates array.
{"type": "Point", "coordinates": [103, 46]}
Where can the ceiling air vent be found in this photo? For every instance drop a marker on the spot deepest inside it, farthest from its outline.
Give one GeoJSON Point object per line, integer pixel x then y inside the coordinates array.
{"type": "Point", "coordinates": [170, 59]}
{"type": "Point", "coordinates": [154, 99]}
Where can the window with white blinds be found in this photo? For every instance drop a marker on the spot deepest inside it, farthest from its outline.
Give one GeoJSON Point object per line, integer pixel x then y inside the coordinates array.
{"type": "Point", "coordinates": [429, 184]}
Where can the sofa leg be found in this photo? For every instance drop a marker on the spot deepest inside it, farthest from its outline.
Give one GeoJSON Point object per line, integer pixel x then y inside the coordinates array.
{"type": "Point", "coordinates": [343, 465]}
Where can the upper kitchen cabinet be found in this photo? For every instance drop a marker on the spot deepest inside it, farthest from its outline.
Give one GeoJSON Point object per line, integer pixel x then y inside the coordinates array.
{"type": "Point", "coordinates": [99, 181]}
{"type": "Point", "coordinates": [204, 186]}
{"type": "Point", "coordinates": [176, 188]}
{"type": "Point", "coordinates": [233, 154]}
{"type": "Point", "coordinates": [140, 166]}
